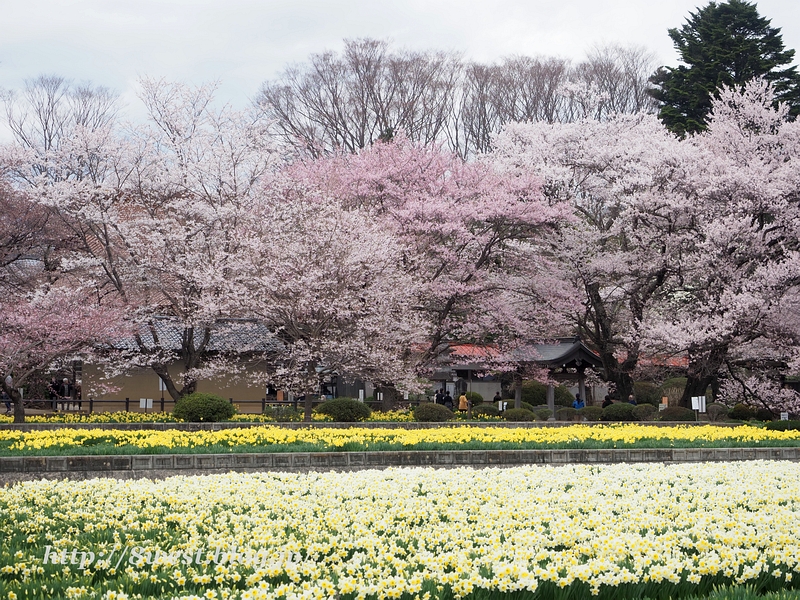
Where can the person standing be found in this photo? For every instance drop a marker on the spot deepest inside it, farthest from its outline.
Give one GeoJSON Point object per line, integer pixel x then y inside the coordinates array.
{"type": "Point", "coordinates": [631, 400]}
{"type": "Point", "coordinates": [448, 400]}
{"type": "Point", "coordinates": [607, 401]}
{"type": "Point", "coordinates": [463, 403]}
{"type": "Point", "coordinates": [578, 403]}
{"type": "Point", "coordinates": [52, 391]}
{"type": "Point", "coordinates": [497, 398]}
{"type": "Point", "coordinates": [65, 393]}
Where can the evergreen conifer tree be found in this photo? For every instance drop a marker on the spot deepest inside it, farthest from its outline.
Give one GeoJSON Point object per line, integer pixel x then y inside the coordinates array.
{"type": "Point", "coordinates": [722, 44]}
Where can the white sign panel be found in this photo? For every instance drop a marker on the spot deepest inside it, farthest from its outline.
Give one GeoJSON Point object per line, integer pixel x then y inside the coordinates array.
{"type": "Point", "coordinates": [699, 403]}
{"type": "Point", "coordinates": [784, 416]}
{"type": "Point", "coordinates": [145, 403]}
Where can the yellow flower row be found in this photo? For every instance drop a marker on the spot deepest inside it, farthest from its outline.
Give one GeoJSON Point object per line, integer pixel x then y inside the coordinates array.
{"type": "Point", "coordinates": [408, 532]}
{"type": "Point", "coordinates": [338, 438]}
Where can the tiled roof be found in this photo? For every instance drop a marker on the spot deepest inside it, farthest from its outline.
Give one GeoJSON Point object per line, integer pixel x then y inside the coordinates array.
{"type": "Point", "coordinates": [227, 335]}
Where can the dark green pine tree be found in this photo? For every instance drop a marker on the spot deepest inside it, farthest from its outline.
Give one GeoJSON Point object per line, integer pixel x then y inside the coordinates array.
{"type": "Point", "coordinates": [722, 45]}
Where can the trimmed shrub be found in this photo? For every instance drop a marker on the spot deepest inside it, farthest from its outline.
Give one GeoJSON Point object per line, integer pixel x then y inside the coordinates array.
{"type": "Point", "coordinates": [430, 412]}
{"type": "Point", "coordinates": [566, 413]}
{"type": "Point", "coordinates": [345, 410]}
{"type": "Point", "coordinates": [677, 413]}
{"type": "Point", "coordinates": [283, 414]}
{"type": "Point", "coordinates": [764, 414]}
{"type": "Point", "coordinates": [646, 393]}
{"type": "Point", "coordinates": [741, 412]}
{"type": "Point", "coordinates": [783, 425]}
{"type": "Point", "coordinates": [619, 411]}
{"type": "Point", "coordinates": [716, 412]}
{"type": "Point", "coordinates": [475, 398]}
{"type": "Point", "coordinates": [535, 394]}
{"type": "Point", "coordinates": [486, 410]}
{"type": "Point", "coordinates": [203, 408]}
{"type": "Point", "coordinates": [518, 414]}
{"type": "Point", "coordinates": [542, 413]}
{"type": "Point", "coordinates": [591, 413]}
{"type": "Point", "coordinates": [644, 412]}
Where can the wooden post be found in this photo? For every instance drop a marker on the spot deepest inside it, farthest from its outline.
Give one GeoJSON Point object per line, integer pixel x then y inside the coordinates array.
{"type": "Point", "coordinates": [551, 401]}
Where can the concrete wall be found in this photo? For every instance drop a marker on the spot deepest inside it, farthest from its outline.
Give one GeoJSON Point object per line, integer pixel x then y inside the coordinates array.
{"type": "Point", "coordinates": [143, 383]}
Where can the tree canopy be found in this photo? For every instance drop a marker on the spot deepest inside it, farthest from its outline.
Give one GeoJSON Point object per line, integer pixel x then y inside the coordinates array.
{"type": "Point", "coordinates": [726, 44]}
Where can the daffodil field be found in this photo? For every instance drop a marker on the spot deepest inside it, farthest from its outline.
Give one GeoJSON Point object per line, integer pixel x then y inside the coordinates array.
{"type": "Point", "coordinates": [277, 439]}
{"type": "Point", "coordinates": [616, 531]}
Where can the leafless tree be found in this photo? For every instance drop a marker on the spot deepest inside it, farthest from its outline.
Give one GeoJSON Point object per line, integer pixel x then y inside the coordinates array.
{"type": "Point", "coordinates": [344, 102]}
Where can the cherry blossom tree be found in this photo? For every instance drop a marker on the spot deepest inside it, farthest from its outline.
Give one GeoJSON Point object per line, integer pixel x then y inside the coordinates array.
{"type": "Point", "coordinates": [327, 280]}
{"type": "Point", "coordinates": [732, 309]}
{"type": "Point", "coordinates": [623, 180]}
{"type": "Point", "coordinates": [155, 210]}
{"type": "Point", "coordinates": [51, 323]}
{"type": "Point", "coordinates": [470, 238]}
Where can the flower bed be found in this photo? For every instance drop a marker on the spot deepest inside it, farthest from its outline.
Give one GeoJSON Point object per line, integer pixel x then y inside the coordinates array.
{"type": "Point", "coordinates": [277, 439]}
{"type": "Point", "coordinates": [617, 531]}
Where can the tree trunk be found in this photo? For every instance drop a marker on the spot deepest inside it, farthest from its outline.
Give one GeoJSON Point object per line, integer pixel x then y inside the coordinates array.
{"type": "Point", "coordinates": [19, 407]}
{"type": "Point", "coordinates": [702, 372]}
{"type": "Point", "coordinates": [16, 401]}
{"type": "Point", "coordinates": [389, 396]}
{"type": "Point", "coordinates": [517, 390]}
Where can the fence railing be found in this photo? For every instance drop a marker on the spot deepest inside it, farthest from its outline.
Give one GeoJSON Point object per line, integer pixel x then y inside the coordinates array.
{"type": "Point", "coordinates": [158, 404]}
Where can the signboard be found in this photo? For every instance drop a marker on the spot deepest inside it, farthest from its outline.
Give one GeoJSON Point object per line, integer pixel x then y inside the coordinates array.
{"type": "Point", "coordinates": [360, 395]}
{"type": "Point", "coordinates": [784, 416]}
{"type": "Point", "coordinates": [699, 403]}
{"type": "Point", "coordinates": [162, 387]}
{"type": "Point", "coordinates": [501, 406]}
{"type": "Point", "coordinates": [662, 407]}
{"type": "Point", "coordinates": [145, 403]}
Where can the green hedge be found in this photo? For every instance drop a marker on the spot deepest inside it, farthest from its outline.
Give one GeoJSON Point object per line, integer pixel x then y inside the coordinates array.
{"type": "Point", "coordinates": [619, 411]}
{"type": "Point", "coordinates": [518, 414]}
{"type": "Point", "coordinates": [677, 413]}
{"type": "Point", "coordinates": [432, 413]}
{"type": "Point", "coordinates": [591, 413]}
{"type": "Point", "coordinates": [203, 408]}
{"type": "Point", "coordinates": [486, 410]}
{"type": "Point", "coordinates": [345, 410]}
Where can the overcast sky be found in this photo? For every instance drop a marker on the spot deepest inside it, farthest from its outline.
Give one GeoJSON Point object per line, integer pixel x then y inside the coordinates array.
{"type": "Point", "coordinates": [242, 43]}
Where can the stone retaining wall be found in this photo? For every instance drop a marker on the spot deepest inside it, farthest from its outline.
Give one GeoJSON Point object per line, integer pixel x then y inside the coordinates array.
{"type": "Point", "coordinates": [14, 469]}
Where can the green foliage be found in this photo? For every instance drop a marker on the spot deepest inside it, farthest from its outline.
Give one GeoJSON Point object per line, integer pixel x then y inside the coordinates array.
{"type": "Point", "coordinates": [647, 393]}
{"type": "Point", "coordinates": [518, 414]}
{"type": "Point", "coordinates": [783, 425]}
{"type": "Point", "coordinates": [591, 413]}
{"type": "Point", "coordinates": [644, 412]}
{"type": "Point", "coordinates": [430, 412]}
{"type": "Point", "coordinates": [716, 412]}
{"type": "Point", "coordinates": [619, 411]}
{"type": "Point", "coordinates": [535, 393]}
{"type": "Point", "coordinates": [283, 414]}
{"type": "Point", "coordinates": [345, 410]}
{"type": "Point", "coordinates": [486, 410]}
{"type": "Point", "coordinates": [764, 414]}
{"type": "Point", "coordinates": [677, 413]}
{"type": "Point", "coordinates": [741, 412]}
{"type": "Point", "coordinates": [475, 398]}
{"type": "Point", "coordinates": [205, 408]}
{"type": "Point", "coordinates": [722, 44]}
{"type": "Point", "coordinates": [566, 413]}
{"type": "Point", "coordinates": [542, 413]}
